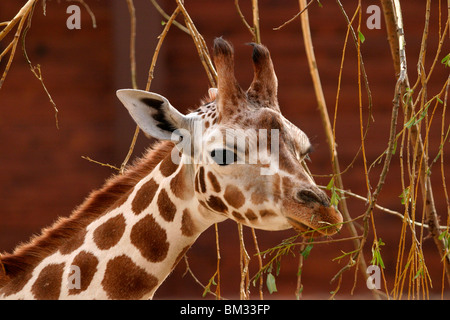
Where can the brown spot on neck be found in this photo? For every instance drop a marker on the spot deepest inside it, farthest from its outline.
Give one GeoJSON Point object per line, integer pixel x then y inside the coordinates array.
{"type": "Point", "coordinates": [258, 197]}
{"type": "Point", "coordinates": [214, 182]}
{"type": "Point", "coordinates": [251, 215]}
{"type": "Point", "coordinates": [234, 196]}
{"type": "Point", "coordinates": [167, 166]}
{"type": "Point", "coordinates": [124, 279]}
{"type": "Point", "coordinates": [187, 225]}
{"type": "Point", "coordinates": [179, 187]}
{"type": "Point", "coordinates": [87, 263]}
{"type": "Point", "coordinates": [150, 238]}
{"type": "Point", "coordinates": [217, 204]}
{"type": "Point", "coordinates": [144, 196]}
{"type": "Point", "coordinates": [267, 213]}
{"type": "Point", "coordinates": [201, 179]}
{"type": "Point", "coordinates": [166, 207]}
{"type": "Point", "coordinates": [276, 187]}
{"type": "Point", "coordinates": [109, 233]}
{"type": "Point", "coordinates": [48, 284]}
{"type": "Point", "coordinates": [238, 216]}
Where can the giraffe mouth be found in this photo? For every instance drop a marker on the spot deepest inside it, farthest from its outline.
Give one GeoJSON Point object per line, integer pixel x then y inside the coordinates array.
{"type": "Point", "coordinates": [310, 232]}
{"type": "Point", "coordinates": [303, 228]}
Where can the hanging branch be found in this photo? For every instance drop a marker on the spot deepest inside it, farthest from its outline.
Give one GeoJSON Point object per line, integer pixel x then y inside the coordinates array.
{"type": "Point", "coordinates": [152, 65]}
{"type": "Point", "coordinates": [392, 12]}
{"type": "Point", "coordinates": [21, 17]}
{"type": "Point", "coordinates": [357, 256]}
{"type": "Point", "coordinates": [244, 21]}
{"type": "Point", "coordinates": [200, 44]}
{"type": "Point", "coordinates": [132, 13]}
{"type": "Point", "coordinates": [167, 17]}
{"type": "Point", "coordinates": [256, 29]}
{"type": "Point", "coordinates": [294, 17]}
{"type": "Point", "coordinates": [328, 130]}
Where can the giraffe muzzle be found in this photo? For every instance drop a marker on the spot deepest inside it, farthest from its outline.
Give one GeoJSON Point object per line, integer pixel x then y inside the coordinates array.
{"type": "Point", "coordinates": [311, 214]}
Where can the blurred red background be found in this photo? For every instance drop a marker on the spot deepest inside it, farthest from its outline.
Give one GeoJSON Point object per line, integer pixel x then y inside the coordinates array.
{"type": "Point", "coordinates": [43, 174]}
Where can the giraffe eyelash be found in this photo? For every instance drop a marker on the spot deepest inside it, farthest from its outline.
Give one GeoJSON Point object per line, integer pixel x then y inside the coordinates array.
{"type": "Point", "coordinates": [305, 155]}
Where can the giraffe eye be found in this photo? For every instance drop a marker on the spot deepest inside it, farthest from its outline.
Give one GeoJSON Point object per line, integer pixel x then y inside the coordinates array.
{"type": "Point", "coordinates": [223, 157]}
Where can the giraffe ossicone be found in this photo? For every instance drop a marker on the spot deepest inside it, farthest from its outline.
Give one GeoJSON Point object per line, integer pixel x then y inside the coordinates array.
{"type": "Point", "coordinates": [235, 157]}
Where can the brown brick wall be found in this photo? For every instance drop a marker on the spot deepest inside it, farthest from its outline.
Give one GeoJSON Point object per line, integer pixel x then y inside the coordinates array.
{"type": "Point", "coordinates": [43, 175]}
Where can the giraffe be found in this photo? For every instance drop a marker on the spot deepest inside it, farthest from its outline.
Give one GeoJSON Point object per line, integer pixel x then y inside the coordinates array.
{"type": "Point", "coordinates": [126, 237]}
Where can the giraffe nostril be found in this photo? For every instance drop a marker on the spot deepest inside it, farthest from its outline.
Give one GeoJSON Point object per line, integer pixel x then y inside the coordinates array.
{"type": "Point", "coordinates": [308, 196]}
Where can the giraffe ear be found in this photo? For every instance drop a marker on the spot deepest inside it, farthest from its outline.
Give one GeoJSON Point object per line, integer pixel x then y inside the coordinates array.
{"type": "Point", "coordinates": [264, 86]}
{"type": "Point", "coordinates": [153, 113]}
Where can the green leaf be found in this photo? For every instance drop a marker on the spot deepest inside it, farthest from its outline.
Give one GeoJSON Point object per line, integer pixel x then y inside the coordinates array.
{"type": "Point", "coordinates": [376, 253]}
{"type": "Point", "coordinates": [208, 286]}
{"type": "Point", "coordinates": [445, 236]}
{"type": "Point", "coordinates": [278, 267]}
{"type": "Point", "coordinates": [407, 97]}
{"type": "Point", "coordinates": [394, 150]}
{"type": "Point", "coordinates": [335, 198]}
{"type": "Point", "coordinates": [405, 195]}
{"type": "Point", "coordinates": [270, 282]}
{"type": "Point", "coordinates": [419, 273]}
{"type": "Point", "coordinates": [330, 184]}
{"type": "Point", "coordinates": [345, 254]}
{"type": "Point", "coordinates": [446, 60]}
{"type": "Point", "coordinates": [411, 122]}
{"type": "Point", "coordinates": [361, 37]}
{"type": "Point", "coordinates": [305, 253]}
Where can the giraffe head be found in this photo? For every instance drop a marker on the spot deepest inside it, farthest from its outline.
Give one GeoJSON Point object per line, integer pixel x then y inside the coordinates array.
{"type": "Point", "coordinates": [246, 160]}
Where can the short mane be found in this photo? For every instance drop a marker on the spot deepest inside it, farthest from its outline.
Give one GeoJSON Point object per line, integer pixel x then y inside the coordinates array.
{"type": "Point", "coordinates": [97, 203]}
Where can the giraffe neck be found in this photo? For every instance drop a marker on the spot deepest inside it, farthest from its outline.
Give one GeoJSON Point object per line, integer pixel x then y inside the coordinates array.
{"type": "Point", "coordinates": [125, 252]}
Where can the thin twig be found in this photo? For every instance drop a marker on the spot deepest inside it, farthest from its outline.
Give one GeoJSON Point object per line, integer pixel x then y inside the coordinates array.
{"type": "Point", "coordinates": [167, 17]}
{"type": "Point", "coordinates": [299, 286]}
{"type": "Point", "coordinates": [89, 11]}
{"type": "Point", "coordinates": [424, 179]}
{"type": "Point", "coordinates": [200, 45]}
{"type": "Point", "coordinates": [37, 69]}
{"type": "Point", "coordinates": [327, 124]}
{"type": "Point", "coordinates": [244, 262]}
{"type": "Point", "coordinates": [23, 12]}
{"type": "Point", "coordinates": [132, 12]}
{"type": "Point", "coordinates": [161, 39]}
{"type": "Point", "coordinates": [244, 21]}
{"type": "Point", "coordinates": [188, 269]}
{"type": "Point", "coordinates": [389, 211]}
{"type": "Point", "coordinates": [21, 17]}
{"type": "Point", "coordinates": [256, 29]}
{"type": "Point", "coordinates": [294, 17]}
{"type": "Point", "coordinates": [258, 253]}
{"type": "Point", "coordinates": [101, 163]}
{"type": "Point", "coordinates": [217, 294]}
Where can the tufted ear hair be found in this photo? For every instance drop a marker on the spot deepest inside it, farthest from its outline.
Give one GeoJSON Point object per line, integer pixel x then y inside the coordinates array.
{"type": "Point", "coordinates": [153, 113]}
{"type": "Point", "coordinates": [264, 87]}
{"type": "Point", "coordinates": [229, 92]}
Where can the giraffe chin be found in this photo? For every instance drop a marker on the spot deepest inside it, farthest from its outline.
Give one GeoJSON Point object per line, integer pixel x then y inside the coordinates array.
{"type": "Point", "coordinates": [321, 228]}
{"type": "Point", "coordinates": [303, 228]}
